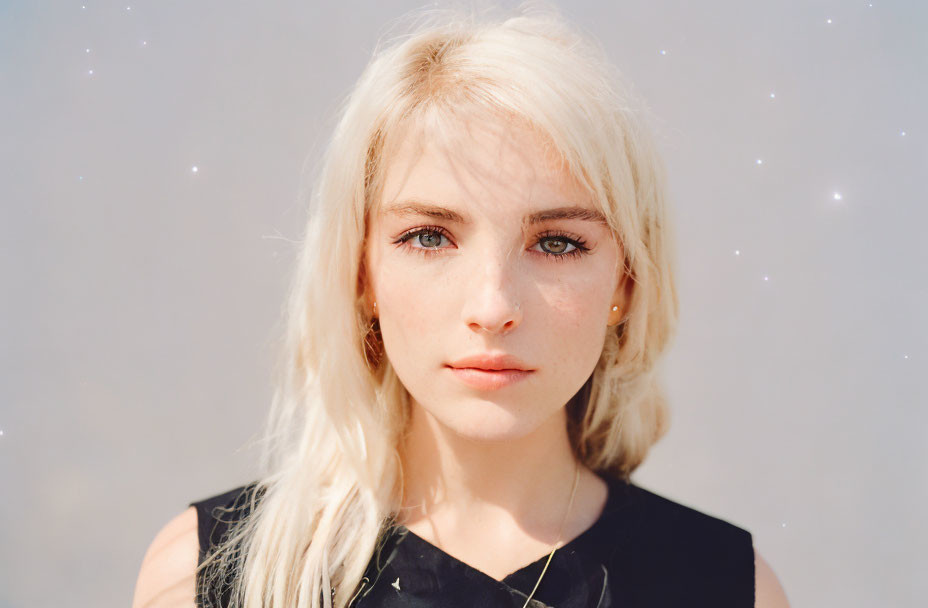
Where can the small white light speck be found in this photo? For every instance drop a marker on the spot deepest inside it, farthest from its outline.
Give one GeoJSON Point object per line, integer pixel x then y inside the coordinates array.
{"type": "Point", "coordinates": [783, 525]}
{"type": "Point", "coordinates": [144, 43]}
{"type": "Point", "coordinates": [80, 178]}
{"type": "Point", "coordinates": [737, 252]}
{"type": "Point", "coordinates": [760, 162]}
{"type": "Point", "coordinates": [837, 196]}
{"type": "Point", "coordinates": [905, 356]}
{"type": "Point", "coordinates": [773, 95]}
{"type": "Point", "coordinates": [902, 133]}
{"type": "Point", "coordinates": [90, 71]}
{"type": "Point", "coordinates": [82, 6]}
{"type": "Point", "coordinates": [1, 432]}
{"type": "Point", "coordinates": [86, 50]}
{"type": "Point", "coordinates": [766, 278]}
{"type": "Point", "coordinates": [663, 52]}
{"type": "Point", "coordinates": [128, 8]}
{"type": "Point", "coordinates": [828, 21]}
{"type": "Point", "coordinates": [195, 169]}
{"type": "Point", "coordinates": [396, 584]}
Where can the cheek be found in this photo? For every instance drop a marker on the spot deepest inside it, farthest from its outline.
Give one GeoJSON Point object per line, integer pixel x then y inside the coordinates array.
{"type": "Point", "coordinates": [579, 300]}
{"type": "Point", "coordinates": [574, 321]}
{"type": "Point", "coordinates": [412, 293]}
{"type": "Point", "coordinates": [414, 306]}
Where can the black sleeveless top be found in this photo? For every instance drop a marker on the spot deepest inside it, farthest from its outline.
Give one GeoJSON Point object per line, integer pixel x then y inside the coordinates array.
{"type": "Point", "coordinates": [644, 551]}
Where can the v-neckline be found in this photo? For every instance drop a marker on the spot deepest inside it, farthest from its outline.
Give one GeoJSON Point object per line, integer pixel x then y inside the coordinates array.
{"type": "Point", "coordinates": [572, 545]}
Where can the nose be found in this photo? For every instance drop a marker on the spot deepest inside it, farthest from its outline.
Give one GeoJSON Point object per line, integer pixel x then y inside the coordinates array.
{"type": "Point", "coordinates": [491, 302]}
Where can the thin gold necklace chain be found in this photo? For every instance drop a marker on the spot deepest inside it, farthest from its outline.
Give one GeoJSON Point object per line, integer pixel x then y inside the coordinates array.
{"type": "Point", "coordinates": [560, 534]}
{"type": "Point", "coordinates": [557, 544]}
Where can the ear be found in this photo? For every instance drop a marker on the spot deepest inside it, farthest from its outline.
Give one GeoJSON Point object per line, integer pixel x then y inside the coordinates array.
{"type": "Point", "coordinates": [621, 299]}
{"type": "Point", "coordinates": [365, 292]}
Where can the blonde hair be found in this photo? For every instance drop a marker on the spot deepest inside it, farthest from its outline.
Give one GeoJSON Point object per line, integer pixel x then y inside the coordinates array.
{"type": "Point", "coordinates": [332, 477]}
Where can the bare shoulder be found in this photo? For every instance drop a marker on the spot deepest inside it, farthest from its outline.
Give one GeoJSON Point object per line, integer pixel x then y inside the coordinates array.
{"type": "Point", "coordinates": [769, 592]}
{"type": "Point", "coordinates": [167, 576]}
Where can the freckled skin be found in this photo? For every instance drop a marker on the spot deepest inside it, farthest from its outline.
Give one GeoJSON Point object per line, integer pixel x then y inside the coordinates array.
{"type": "Point", "coordinates": [487, 285]}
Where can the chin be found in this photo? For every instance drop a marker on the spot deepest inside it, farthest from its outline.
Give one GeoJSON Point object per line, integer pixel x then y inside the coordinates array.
{"type": "Point", "coordinates": [491, 424]}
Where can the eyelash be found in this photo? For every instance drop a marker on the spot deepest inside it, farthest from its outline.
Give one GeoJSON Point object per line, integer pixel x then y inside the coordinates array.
{"type": "Point", "coordinates": [579, 244]}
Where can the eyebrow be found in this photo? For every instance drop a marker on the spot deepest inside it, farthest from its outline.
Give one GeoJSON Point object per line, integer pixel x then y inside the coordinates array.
{"type": "Point", "coordinates": [417, 207]}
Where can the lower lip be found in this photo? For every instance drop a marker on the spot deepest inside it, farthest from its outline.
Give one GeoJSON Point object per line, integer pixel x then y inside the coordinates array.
{"type": "Point", "coordinates": [488, 380]}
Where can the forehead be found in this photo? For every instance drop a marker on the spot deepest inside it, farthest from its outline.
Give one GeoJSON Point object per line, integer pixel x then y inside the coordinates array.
{"type": "Point", "coordinates": [474, 164]}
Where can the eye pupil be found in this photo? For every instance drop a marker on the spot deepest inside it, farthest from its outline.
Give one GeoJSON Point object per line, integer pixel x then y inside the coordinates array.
{"type": "Point", "coordinates": [560, 248]}
{"type": "Point", "coordinates": [436, 238]}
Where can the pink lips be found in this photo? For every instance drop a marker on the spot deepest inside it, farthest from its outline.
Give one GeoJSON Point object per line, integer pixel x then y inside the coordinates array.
{"type": "Point", "coordinates": [488, 380]}
{"type": "Point", "coordinates": [490, 371]}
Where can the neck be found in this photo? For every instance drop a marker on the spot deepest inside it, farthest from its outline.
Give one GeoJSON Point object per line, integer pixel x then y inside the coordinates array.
{"type": "Point", "coordinates": [466, 479]}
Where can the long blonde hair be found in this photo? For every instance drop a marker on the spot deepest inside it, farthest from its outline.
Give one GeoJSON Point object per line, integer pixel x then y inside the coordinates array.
{"type": "Point", "coordinates": [332, 472]}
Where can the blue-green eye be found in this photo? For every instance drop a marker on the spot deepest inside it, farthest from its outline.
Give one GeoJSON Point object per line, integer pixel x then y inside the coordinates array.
{"type": "Point", "coordinates": [429, 238]}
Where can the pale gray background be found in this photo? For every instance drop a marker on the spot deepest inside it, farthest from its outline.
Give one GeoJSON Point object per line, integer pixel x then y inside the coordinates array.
{"type": "Point", "coordinates": [140, 299]}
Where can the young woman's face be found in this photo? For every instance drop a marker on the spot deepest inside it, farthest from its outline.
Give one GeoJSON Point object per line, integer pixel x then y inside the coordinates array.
{"type": "Point", "coordinates": [462, 261]}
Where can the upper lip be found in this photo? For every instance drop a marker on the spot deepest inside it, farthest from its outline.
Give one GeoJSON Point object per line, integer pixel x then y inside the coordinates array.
{"type": "Point", "coordinates": [492, 361]}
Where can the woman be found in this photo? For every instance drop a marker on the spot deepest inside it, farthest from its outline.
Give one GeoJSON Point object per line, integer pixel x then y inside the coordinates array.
{"type": "Point", "coordinates": [469, 374]}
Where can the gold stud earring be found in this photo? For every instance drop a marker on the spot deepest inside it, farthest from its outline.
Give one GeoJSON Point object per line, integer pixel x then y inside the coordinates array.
{"type": "Point", "coordinates": [614, 309]}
